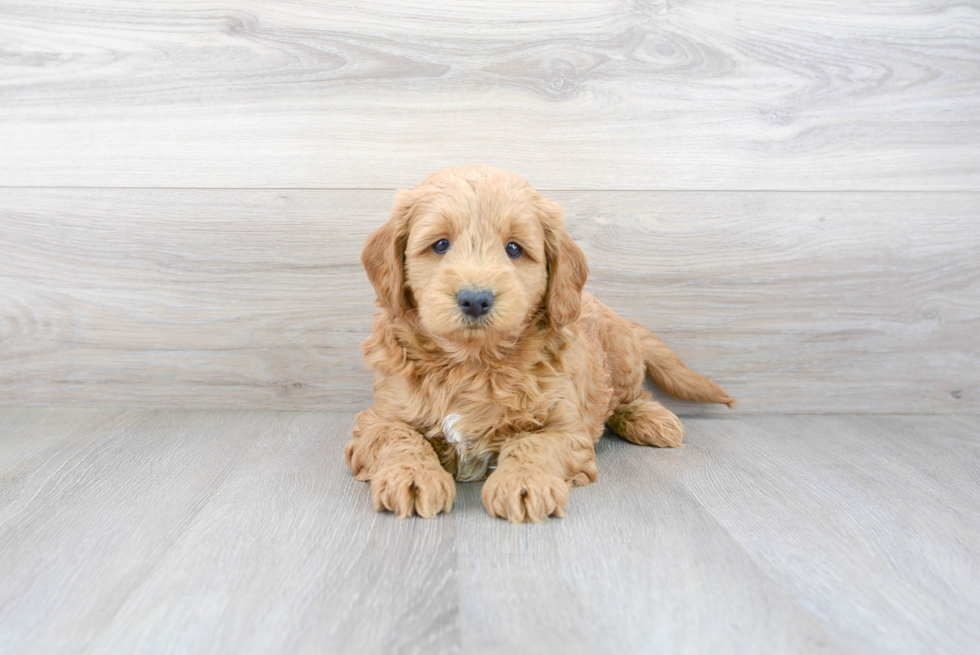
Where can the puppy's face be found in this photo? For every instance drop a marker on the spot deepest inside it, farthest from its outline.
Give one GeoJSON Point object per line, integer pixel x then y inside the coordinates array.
{"type": "Point", "coordinates": [475, 261]}
{"type": "Point", "coordinates": [478, 253]}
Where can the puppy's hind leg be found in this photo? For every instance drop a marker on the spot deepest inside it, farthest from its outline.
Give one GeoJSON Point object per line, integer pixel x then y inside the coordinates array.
{"type": "Point", "coordinates": [636, 417]}
{"type": "Point", "coordinates": [646, 422]}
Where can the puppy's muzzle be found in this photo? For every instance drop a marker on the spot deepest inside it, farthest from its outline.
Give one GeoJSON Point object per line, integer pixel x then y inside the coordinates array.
{"type": "Point", "coordinates": [475, 302]}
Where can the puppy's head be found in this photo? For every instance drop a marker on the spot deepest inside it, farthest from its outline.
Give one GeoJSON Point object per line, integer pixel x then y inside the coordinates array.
{"type": "Point", "coordinates": [479, 253]}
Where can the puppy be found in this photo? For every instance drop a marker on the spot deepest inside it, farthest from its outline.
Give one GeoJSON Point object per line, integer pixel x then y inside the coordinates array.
{"type": "Point", "coordinates": [489, 359]}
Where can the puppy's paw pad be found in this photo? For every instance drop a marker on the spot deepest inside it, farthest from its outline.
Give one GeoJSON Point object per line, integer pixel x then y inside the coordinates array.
{"type": "Point", "coordinates": [406, 489]}
{"type": "Point", "coordinates": [519, 496]}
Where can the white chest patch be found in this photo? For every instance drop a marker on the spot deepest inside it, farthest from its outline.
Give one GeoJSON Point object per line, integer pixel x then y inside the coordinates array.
{"type": "Point", "coordinates": [468, 468]}
{"type": "Point", "coordinates": [451, 431]}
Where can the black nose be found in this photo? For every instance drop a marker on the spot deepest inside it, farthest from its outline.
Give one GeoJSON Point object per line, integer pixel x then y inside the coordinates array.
{"type": "Point", "coordinates": [475, 302]}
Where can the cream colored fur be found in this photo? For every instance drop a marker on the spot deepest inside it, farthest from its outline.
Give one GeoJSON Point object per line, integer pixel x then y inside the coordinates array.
{"type": "Point", "coordinates": [521, 394]}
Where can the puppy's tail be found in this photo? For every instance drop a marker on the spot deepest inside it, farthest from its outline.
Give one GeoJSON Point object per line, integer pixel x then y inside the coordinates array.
{"type": "Point", "coordinates": [667, 370]}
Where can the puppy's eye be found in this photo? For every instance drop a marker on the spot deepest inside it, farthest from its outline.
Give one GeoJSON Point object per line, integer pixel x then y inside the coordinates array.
{"type": "Point", "coordinates": [514, 251]}
{"type": "Point", "coordinates": [441, 246]}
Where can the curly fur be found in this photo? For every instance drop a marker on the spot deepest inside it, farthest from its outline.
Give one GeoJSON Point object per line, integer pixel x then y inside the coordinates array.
{"type": "Point", "coordinates": [521, 394]}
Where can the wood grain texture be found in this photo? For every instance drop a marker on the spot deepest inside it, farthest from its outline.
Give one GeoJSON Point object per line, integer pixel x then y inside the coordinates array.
{"type": "Point", "coordinates": [176, 531]}
{"type": "Point", "coordinates": [795, 302]}
{"type": "Point", "coordinates": [640, 567]}
{"type": "Point", "coordinates": [289, 557]}
{"type": "Point", "coordinates": [834, 534]}
{"type": "Point", "coordinates": [607, 95]}
{"type": "Point", "coordinates": [892, 502]}
{"type": "Point", "coordinates": [85, 521]}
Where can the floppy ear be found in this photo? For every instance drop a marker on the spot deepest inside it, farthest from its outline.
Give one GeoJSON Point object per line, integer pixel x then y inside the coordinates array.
{"type": "Point", "coordinates": [567, 270]}
{"type": "Point", "coordinates": [384, 257]}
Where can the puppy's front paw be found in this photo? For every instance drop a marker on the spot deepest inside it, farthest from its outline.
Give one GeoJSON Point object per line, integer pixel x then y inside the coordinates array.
{"type": "Point", "coordinates": [403, 488]}
{"type": "Point", "coordinates": [359, 457]}
{"type": "Point", "coordinates": [519, 495]}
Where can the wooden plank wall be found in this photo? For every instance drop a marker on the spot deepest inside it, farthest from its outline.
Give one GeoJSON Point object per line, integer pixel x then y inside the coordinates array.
{"type": "Point", "coordinates": [788, 192]}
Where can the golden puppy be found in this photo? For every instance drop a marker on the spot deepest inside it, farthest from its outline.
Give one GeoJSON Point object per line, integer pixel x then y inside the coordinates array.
{"type": "Point", "coordinates": [487, 356]}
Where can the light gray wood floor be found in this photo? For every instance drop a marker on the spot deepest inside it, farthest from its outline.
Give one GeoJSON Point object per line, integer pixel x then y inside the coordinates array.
{"type": "Point", "coordinates": [236, 532]}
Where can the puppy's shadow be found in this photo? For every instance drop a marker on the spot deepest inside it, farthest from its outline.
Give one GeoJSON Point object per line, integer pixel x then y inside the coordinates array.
{"type": "Point", "coordinates": [468, 501]}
